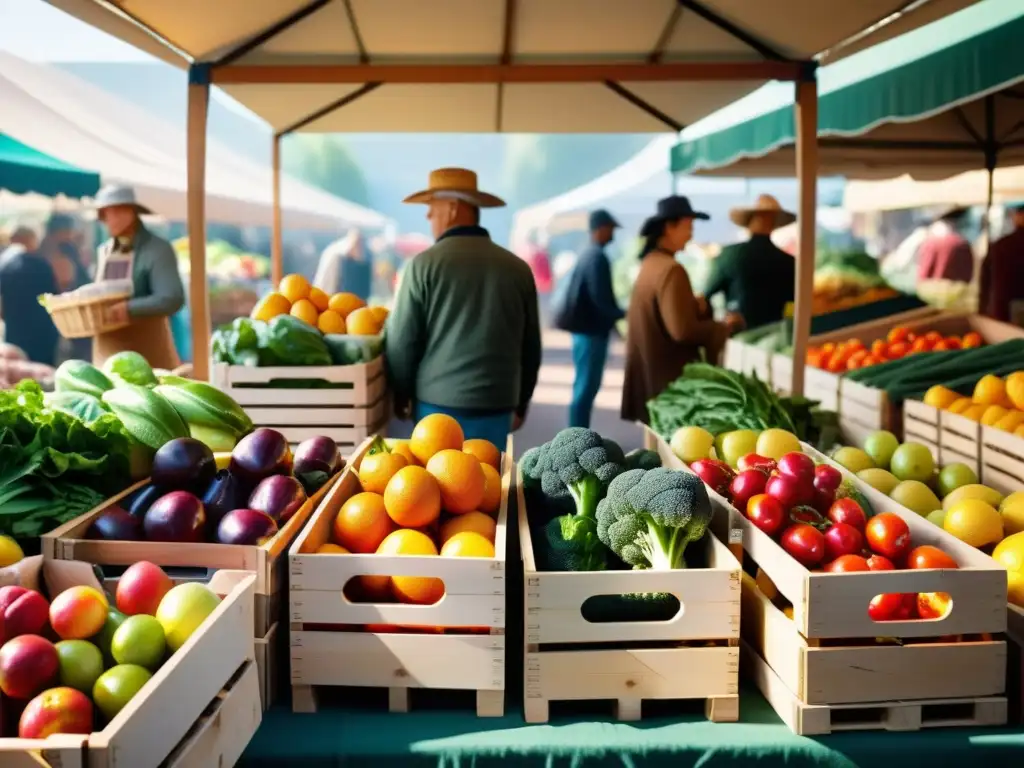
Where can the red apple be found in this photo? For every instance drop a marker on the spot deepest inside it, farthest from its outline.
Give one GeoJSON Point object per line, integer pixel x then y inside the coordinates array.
{"type": "Point", "coordinates": [141, 589]}
{"type": "Point", "coordinates": [24, 612]}
{"type": "Point", "coordinates": [58, 710]}
{"type": "Point", "coordinates": [28, 665]}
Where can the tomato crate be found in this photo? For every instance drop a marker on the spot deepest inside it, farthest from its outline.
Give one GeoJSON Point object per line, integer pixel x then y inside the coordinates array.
{"type": "Point", "coordinates": [1001, 460]}
{"type": "Point", "coordinates": [695, 655]}
{"type": "Point", "coordinates": [349, 402]}
{"type": "Point", "coordinates": [200, 708]}
{"type": "Point", "coordinates": [456, 644]}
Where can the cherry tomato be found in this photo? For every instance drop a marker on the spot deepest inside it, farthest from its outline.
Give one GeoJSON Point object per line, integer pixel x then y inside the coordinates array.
{"type": "Point", "coordinates": [897, 350]}
{"type": "Point", "coordinates": [805, 544]}
{"type": "Point", "coordinates": [848, 511]}
{"type": "Point", "coordinates": [847, 564]}
{"type": "Point", "coordinates": [879, 563]}
{"type": "Point", "coordinates": [766, 513]}
{"type": "Point", "coordinates": [892, 607]}
{"type": "Point", "coordinates": [888, 535]}
{"type": "Point", "coordinates": [954, 343]}
{"type": "Point", "coordinates": [972, 340]}
{"type": "Point", "coordinates": [899, 333]}
{"type": "Point", "coordinates": [934, 605]}
{"type": "Point", "coordinates": [827, 478]}
{"type": "Point", "coordinates": [843, 539]}
{"type": "Point", "coordinates": [927, 556]}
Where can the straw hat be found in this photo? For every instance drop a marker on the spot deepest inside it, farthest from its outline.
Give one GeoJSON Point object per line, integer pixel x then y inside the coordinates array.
{"type": "Point", "coordinates": [118, 194]}
{"type": "Point", "coordinates": [455, 184]}
{"type": "Point", "coordinates": [764, 204]}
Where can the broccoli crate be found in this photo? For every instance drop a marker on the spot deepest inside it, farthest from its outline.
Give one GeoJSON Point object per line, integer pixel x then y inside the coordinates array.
{"type": "Point", "coordinates": [456, 644]}
{"type": "Point", "coordinates": [195, 562]}
{"type": "Point", "coordinates": [200, 708]}
{"type": "Point", "coordinates": [693, 655]}
{"type": "Point", "coordinates": [344, 402]}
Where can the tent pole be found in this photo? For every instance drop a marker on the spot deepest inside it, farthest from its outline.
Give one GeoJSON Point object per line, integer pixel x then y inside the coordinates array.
{"type": "Point", "coordinates": [807, 179]}
{"type": "Point", "coordinates": [198, 107]}
{"type": "Point", "coordinates": [276, 241]}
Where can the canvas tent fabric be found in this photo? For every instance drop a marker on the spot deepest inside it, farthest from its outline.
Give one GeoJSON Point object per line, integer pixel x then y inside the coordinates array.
{"type": "Point", "coordinates": [492, 32]}
{"type": "Point", "coordinates": [966, 189]}
{"type": "Point", "coordinates": [916, 105]}
{"type": "Point", "coordinates": [24, 170]}
{"type": "Point", "coordinates": [70, 119]}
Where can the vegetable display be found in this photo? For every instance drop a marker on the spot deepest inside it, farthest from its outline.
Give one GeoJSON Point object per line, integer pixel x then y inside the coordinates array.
{"type": "Point", "coordinates": [104, 650]}
{"type": "Point", "coordinates": [900, 343]}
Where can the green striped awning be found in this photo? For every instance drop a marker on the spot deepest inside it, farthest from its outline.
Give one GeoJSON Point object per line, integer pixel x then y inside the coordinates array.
{"type": "Point", "coordinates": [25, 170]}
{"type": "Point", "coordinates": [923, 103]}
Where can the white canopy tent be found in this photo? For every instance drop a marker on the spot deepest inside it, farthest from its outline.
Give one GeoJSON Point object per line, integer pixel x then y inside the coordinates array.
{"type": "Point", "coordinates": [965, 189]}
{"type": "Point", "coordinates": [76, 122]}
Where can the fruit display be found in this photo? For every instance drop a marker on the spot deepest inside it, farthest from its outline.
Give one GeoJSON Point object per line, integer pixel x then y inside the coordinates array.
{"type": "Point", "coordinates": [900, 342]}
{"type": "Point", "coordinates": [190, 500]}
{"type": "Point", "coordinates": [75, 662]}
{"type": "Point", "coordinates": [995, 402]}
{"type": "Point", "coordinates": [722, 401]}
{"type": "Point", "coordinates": [298, 324]}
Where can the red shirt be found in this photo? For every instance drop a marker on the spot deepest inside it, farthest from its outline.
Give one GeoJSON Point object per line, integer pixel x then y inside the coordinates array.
{"type": "Point", "coordinates": [540, 265]}
{"type": "Point", "coordinates": [1002, 276]}
{"type": "Point", "coordinates": [946, 257]}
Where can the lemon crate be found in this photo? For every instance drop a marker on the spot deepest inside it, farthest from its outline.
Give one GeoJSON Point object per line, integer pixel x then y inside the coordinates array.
{"type": "Point", "coordinates": [355, 405]}
{"type": "Point", "coordinates": [695, 655]}
{"type": "Point", "coordinates": [200, 708]}
{"type": "Point", "coordinates": [950, 437]}
{"type": "Point", "coordinates": [1002, 459]}
{"type": "Point", "coordinates": [198, 562]}
{"type": "Point", "coordinates": [328, 644]}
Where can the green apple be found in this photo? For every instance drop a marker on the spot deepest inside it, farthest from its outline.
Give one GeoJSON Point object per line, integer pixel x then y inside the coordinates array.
{"type": "Point", "coordinates": [116, 687]}
{"type": "Point", "coordinates": [737, 444]}
{"type": "Point", "coordinates": [913, 461]}
{"type": "Point", "coordinates": [81, 664]}
{"type": "Point", "coordinates": [953, 476]}
{"type": "Point", "coordinates": [139, 640]}
{"type": "Point", "coordinates": [853, 459]}
{"type": "Point", "coordinates": [880, 446]}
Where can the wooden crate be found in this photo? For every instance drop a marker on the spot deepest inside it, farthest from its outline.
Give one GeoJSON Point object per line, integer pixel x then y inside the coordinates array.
{"type": "Point", "coordinates": [568, 658]}
{"type": "Point", "coordinates": [732, 359]}
{"type": "Point", "coordinates": [356, 408]}
{"type": "Point", "coordinates": [951, 438]}
{"type": "Point", "coordinates": [268, 666]}
{"type": "Point", "coordinates": [456, 660]}
{"type": "Point", "coordinates": [1001, 459]}
{"type": "Point", "coordinates": [191, 562]}
{"type": "Point", "coordinates": [921, 425]}
{"type": "Point", "coordinates": [173, 719]}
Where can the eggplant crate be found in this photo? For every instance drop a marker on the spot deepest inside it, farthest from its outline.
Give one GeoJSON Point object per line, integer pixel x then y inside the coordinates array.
{"type": "Point", "coordinates": [824, 670]}
{"type": "Point", "coordinates": [201, 708]}
{"type": "Point", "coordinates": [196, 562]}
{"type": "Point", "coordinates": [460, 644]}
{"type": "Point", "coordinates": [350, 403]}
{"type": "Point", "coordinates": [695, 655]}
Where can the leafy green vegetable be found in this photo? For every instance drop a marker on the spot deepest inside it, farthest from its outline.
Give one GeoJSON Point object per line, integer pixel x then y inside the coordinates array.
{"type": "Point", "coordinates": [78, 404]}
{"type": "Point", "coordinates": [130, 368]}
{"type": "Point", "coordinates": [80, 376]}
{"type": "Point", "coordinates": [285, 341]}
{"type": "Point", "coordinates": [238, 343]}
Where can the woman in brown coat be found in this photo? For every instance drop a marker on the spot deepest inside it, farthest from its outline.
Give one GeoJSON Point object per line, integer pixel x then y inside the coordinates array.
{"type": "Point", "coordinates": [666, 323]}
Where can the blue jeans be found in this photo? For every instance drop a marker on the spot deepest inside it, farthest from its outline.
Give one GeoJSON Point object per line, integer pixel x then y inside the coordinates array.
{"type": "Point", "coordinates": [589, 354]}
{"type": "Point", "coordinates": [491, 426]}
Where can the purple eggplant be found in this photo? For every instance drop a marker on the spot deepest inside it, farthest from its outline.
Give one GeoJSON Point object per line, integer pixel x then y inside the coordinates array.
{"type": "Point", "coordinates": [279, 496]}
{"type": "Point", "coordinates": [143, 499]}
{"type": "Point", "coordinates": [246, 526]}
{"type": "Point", "coordinates": [261, 454]}
{"type": "Point", "coordinates": [116, 524]}
{"type": "Point", "coordinates": [317, 454]}
{"type": "Point", "coordinates": [225, 493]}
{"type": "Point", "coordinates": [183, 464]}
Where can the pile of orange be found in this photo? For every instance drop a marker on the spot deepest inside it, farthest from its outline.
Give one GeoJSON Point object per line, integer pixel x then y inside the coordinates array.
{"type": "Point", "coordinates": [900, 342]}
{"type": "Point", "coordinates": [342, 313]}
{"type": "Point", "coordinates": [435, 495]}
{"type": "Point", "coordinates": [995, 402]}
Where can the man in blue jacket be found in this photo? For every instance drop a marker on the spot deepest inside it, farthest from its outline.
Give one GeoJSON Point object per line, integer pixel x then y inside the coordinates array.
{"type": "Point", "coordinates": [589, 313]}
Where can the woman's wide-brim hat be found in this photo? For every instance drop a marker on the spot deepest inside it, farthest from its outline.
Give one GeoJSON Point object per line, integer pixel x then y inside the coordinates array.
{"type": "Point", "coordinates": [455, 184]}
{"type": "Point", "coordinates": [117, 194]}
{"type": "Point", "coordinates": [764, 204]}
{"type": "Point", "coordinates": [676, 207]}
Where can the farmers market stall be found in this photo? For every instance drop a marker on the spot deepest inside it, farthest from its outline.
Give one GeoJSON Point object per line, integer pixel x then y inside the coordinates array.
{"type": "Point", "coordinates": [25, 170]}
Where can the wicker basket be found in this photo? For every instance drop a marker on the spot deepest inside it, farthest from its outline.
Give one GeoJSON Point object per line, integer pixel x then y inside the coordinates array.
{"type": "Point", "coordinates": [78, 318]}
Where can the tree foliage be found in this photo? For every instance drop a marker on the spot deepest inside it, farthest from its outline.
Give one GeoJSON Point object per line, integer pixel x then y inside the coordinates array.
{"type": "Point", "coordinates": [325, 162]}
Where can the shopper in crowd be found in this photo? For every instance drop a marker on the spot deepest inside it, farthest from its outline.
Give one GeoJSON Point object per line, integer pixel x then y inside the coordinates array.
{"type": "Point", "coordinates": [60, 248]}
{"type": "Point", "coordinates": [148, 263]}
{"type": "Point", "coordinates": [588, 310]}
{"type": "Point", "coordinates": [24, 276]}
{"type": "Point", "coordinates": [1002, 274]}
{"type": "Point", "coordinates": [756, 276]}
{"type": "Point", "coordinates": [667, 325]}
{"type": "Point", "coordinates": [464, 336]}
{"type": "Point", "coordinates": [21, 239]}
{"type": "Point", "coordinates": [945, 254]}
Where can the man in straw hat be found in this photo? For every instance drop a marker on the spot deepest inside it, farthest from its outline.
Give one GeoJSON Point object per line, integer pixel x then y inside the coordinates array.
{"type": "Point", "coordinates": [756, 276]}
{"type": "Point", "coordinates": [135, 254]}
{"type": "Point", "coordinates": [464, 336]}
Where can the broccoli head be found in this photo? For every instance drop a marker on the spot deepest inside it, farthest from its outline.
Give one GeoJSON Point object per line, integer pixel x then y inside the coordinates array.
{"type": "Point", "coordinates": [632, 606]}
{"type": "Point", "coordinates": [572, 545]}
{"type": "Point", "coordinates": [577, 464]}
{"type": "Point", "coordinates": [642, 458]}
{"type": "Point", "coordinates": [649, 516]}
{"type": "Point", "coordinates": [531, 465]}
{"type": "Point", "coordinates": [614, 450]}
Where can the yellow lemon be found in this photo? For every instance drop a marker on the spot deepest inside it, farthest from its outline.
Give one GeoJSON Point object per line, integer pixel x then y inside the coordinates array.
{"type": "Point", "coordinates": [320, 299]}
{"type": "Point", "coordinates": [270, 306]}
{"type": "Point", "coordinates": [1010, 421]}
{"type": "Point", "coordinates": [940, 397]}
{"type": "Point", "coordinates": [294, 287]}
{"type": "Point", "coordinates": [361, 322]}
{"type": "Point", "coordinates": [1009, 553]}
{"type": "Point", "coordinates": [10, 552]}
{"type": "Point", "coordinates": [331, 322]}
{"type": "Point", "coordinates": [993, 414]}
{"type": "Point", "coordinates": [1012, 510]}
{"type": "Point", "coordinates": [1015, 389]}
{"type": "Point", "coordinates": [345, 303]}
{"type": "Point", "coordinates": [974, 522]}
{"type": "Point", "coordinates": [305, 311]}
{"type": "Point", "coordinates": [961, 405]}
{"type": "Point", "coordinates": [991, 390]}
{"type": "Point", "coordinates": [1015, 588]}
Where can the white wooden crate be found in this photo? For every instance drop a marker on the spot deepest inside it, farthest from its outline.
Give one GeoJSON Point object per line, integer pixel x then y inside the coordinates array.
{"type": "Point", "coordinates": [822, 386]}
{"type": "Point", "coordinates": [733, 357]}
{"type": "Point", "coordinates": [921, 425]}
{"type": "Point", "coordinates": [1001, 460]}
{"type": "Point", "coordinates": [474, 599]}
{"type": "Point", "coordinates": [782, 374]}
{"type": "Point", "coordinates": [355, 406]}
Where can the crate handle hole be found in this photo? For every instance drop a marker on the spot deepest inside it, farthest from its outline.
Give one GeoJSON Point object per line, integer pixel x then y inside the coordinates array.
{"type": "Point", "coordinates": [634, 608]}
{"type": "Point", "coordinates": [912, 606]}
{"type": "Point", "coordinates": [407, 590]}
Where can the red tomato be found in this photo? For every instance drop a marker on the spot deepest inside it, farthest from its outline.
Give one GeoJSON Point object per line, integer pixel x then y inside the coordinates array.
{"type": "Point", "coordinates": [934, 605]}
{"type": "Point", "coordinates": [892, 607]}
{"type": "Point", "coordinates": [897, 334]}
{"type": "Point", "coordinates": [766, 513]}
{"type": "Point", "coordinates": [941, 346]}
{"type": "Point", "coordinates": [879, 563]}
{"type": "Point", "coordinates": [847, 564]}
{"type": "Point", "coordinates": [888, 535]}
{"type": "Point", "coordinates": [878, 350]}
{"type": "Point", "coordinates": [848, 511]}
{"type": "Point", "coordinates": [842, 539]}
{"type": "Point", "coordinates": [954, 343]}
{"type": "Point", "coordinates": [897, 350]}
{"type": "Point", "coordinates": [805, 544]}
{"type": "Point", "coordinates": [973, 339]}
{"type": "Point", "coordinates": [927, 556]}
{"type": "Point", "coordinates": [920, 345]}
